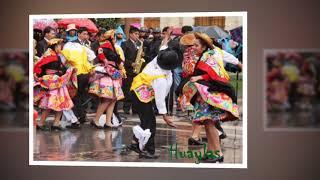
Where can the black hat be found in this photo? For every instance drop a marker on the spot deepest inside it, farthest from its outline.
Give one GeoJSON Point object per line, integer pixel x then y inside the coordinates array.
{"type": "Point", "coordinates": [169, 59]}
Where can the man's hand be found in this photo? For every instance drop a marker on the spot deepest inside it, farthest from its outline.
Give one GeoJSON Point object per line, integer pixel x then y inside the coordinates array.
{"type": "Point", "coordinates": [168, 121]}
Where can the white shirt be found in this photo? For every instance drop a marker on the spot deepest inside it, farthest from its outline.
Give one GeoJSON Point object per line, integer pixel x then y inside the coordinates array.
{"type": "Point", "coordinates": [161, 86]}
{"type": "Point", "coordinates": [229, 58]}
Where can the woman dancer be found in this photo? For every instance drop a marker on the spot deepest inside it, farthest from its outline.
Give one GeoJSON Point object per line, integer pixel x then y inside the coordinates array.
{"type": "Point", "coordinates": [106, 80]}
{"type": "Point", "coordinates": [54, 86]}
{"type": "Point", "coordinates": [208, 93]}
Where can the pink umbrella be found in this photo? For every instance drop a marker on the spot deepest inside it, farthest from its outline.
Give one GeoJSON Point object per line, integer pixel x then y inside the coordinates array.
{"type": "Point", "coordinates": [42, 23]}
{"type": "Point", "coordinates": [79, 22]}
{"type": "Point", "coordinates": [177, 31]}
{"type": "Point", "coordinates": [137, 25]}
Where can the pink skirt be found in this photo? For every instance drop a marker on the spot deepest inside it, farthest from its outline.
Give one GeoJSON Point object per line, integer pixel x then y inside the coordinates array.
{"type": "Point", "coordinates": [106, 87]}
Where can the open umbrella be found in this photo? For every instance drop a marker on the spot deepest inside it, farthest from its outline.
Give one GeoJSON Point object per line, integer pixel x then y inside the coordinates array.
{"type": "Point", "coordinates": [236, 34]}
{"type": "Point", "coordinates": [43, 23]}
{"type": "Point", "coordinates": [212, 31]}
{"type": "Point", "coordinates": [137, 25]}
{"type": "Point", "coordinates": [79, 22]}
{"type": "Point", "coordinates": [177, 31]}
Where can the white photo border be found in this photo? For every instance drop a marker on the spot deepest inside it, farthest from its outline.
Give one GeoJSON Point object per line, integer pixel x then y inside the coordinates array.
{"type": "Point", "coordinates": [242, 165]}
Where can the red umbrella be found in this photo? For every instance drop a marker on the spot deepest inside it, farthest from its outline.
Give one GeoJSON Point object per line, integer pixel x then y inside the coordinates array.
{"type": "Point", "coordinates": [42, 23]}
{"type": "Point", "coordinates": [177, 31]}
{"type": "Point", "coordinates": [79, 22]}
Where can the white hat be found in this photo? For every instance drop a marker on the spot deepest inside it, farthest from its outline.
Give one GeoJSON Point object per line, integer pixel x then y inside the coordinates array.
{"type": "Point", "coordinates": [71, 27]}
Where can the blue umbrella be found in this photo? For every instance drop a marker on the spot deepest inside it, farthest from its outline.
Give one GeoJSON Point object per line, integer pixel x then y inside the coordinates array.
{"type": "Point", "coordinates": [212, 31]}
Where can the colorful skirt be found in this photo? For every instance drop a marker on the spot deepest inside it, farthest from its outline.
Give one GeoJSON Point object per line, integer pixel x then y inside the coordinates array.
{"type": "Point", "coordinates": [54, 92]}
{"type": "Point", "coordinates": [204, 112]}
{"type": "Point", "coordinates": [208, 105]}
{"type": "Point", "coordinates": [104, 86]}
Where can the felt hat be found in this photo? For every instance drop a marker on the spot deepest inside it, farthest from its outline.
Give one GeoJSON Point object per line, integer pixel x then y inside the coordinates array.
{"type": "Point", "coordinates": [188, 39]}
{"type": "Point", "coordinates": [71, 27]}
{"type": "Point", "coordinates": [169, 59]}
{"type": "Point", "coordinates": [205, 38]}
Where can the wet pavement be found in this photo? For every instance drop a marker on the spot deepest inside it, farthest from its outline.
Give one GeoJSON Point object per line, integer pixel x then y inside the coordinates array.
{"type": "Point", "coordinates": [90, 144]}
{"type": "Point", "coordinates": [14, 120]}
{"type": "Point", "coordinates": [296, 118]}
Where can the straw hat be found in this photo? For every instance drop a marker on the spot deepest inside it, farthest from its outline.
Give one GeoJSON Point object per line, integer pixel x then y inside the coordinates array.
{"type": "Point", "coordinates": [71, 27]}
{"type": "Point", "coordinates": [205, 38]}
{"type": "Point", "coordinates": [188, 39]}
{"type": "Point", "coordinates": [55, 41]}
{"type": "Point", "coordinates": [109, 34]}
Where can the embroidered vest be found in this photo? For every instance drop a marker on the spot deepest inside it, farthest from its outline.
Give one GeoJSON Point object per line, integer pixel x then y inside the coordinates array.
{"type": "Point", "coordinates": [220, 62]}
{"type": "Point", "coordinates": [141, 85]}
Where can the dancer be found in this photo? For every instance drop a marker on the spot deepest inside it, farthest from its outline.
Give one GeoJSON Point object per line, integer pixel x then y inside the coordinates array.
{"type": "Point", "coordinates": [106, 80]}
{"type": "Point", "coordinates": [54, 86]}
{"type": "Point", "coordinates": [154, 82]}
{"type": "Point", "coordinates": [208, 92]}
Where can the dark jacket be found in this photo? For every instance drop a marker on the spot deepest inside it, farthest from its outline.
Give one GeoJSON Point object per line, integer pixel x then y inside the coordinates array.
{"type": "Point", "coordinates": [130, 52]}
{"type": "Point", "coordinates": [41, 47]}
{"type": "Point", "coordinates": [86, 43]}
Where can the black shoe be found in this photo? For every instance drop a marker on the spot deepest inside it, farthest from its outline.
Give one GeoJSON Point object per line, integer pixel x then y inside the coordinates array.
{"type": "Point", "coordinates": [82, 120]}
{"type": "Point", "coordinates": [93, 124]}
{"type": "Point", "coordinates": [147, 155]}
{"type": "Point", "coordinates": [192, 141]}
{"type": "Point", "coordinates": [219, 159]}
{"type": "Point", "coordinates": [223, 135]}
{"type": "Point", "coordinates": [109, 127]}
{"type": "Point", "coordinates": [56, 128]}
{"type": "Point", "coordinates": [135, 148]}
{"type": "Point", "coordinates": [73, 126]}
{"type": "Point", "coordinates": [42, 128]}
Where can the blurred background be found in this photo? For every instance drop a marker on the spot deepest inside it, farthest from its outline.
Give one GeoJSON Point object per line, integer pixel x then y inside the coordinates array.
{"type": "Point", "coordinates": [293, 88]}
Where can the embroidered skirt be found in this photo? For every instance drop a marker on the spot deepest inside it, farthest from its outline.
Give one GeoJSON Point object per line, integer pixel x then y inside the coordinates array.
{"type": "Point", "coordinates": [208, 104]}
{"type": "Point", "coordinates": [54, 92]}
{"type": "Point", "coordinates": [104, 86]}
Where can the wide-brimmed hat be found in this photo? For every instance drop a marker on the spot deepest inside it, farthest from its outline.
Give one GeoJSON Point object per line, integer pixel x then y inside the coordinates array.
{"type": "Point", "coordinates": [109, 34]}
{"type": "Point", "coordinates": [205, 38]}
{"type": "Point", "coordinates": [188, 39]}
{"type": "Point", "coordinates": [71, 27]}
{"type": "Point", "coordinates": [169, 59]}
{"type": "Point", "coordinates": [54, 41]}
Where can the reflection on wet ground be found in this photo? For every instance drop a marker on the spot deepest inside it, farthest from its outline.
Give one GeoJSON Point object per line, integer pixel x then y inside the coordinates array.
{"type": "Point", "coordinates": [89, 144]}
{"type": "Point", "coordinates": [14, 119]}
{"type": "Point", "coordinates": [295, 118]}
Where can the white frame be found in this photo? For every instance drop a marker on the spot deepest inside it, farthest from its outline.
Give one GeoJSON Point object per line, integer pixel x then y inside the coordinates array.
{"type": "Point", "coordinates": [141, 164]}
{"type": "Point", "coordinates": [264, 94]}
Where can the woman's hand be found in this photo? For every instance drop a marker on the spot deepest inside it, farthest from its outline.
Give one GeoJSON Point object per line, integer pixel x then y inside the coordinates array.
{"type": "Point", "coordinates": [100, 51]}
{"type": "Point", "coordinates": [195, 78]}
{"type": "Point", "coordinates": [168, 121]}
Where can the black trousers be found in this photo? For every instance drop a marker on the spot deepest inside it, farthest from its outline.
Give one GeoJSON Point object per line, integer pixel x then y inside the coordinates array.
{"type": "Point", "coordinates": [81, 97]}
{"type": "Point", "coordinates": [127, 102]}
{"type": "Point", "coordinates": [147, 120]}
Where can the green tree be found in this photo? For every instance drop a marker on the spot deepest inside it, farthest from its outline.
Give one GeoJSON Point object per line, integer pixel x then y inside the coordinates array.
{"type": "Point", "coordinates": [108, 23]}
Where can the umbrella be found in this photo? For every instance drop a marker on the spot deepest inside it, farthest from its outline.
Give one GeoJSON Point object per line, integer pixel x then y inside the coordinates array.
{"type": "Point", "coordinates": [137, 25]}
{"type": "Point", "coordinates": [79, 22]}
{"type": "Point", "coordinates": [236, 34]}
{"type": "Point", "coordinates": [177, 31]}
{"type": "Point", "coordinates": [43, 23]}
{"type": "Point", "coordinates": [212, 31]}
